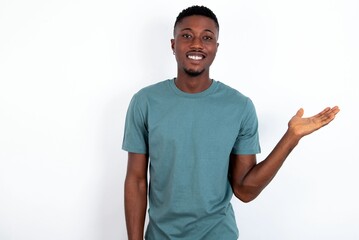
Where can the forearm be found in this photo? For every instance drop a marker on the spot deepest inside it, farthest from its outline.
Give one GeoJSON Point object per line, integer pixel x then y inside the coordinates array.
{"type": "Point", "coordinates": [248, 179]}
{"type": "Point", "coordinates": [262, 173]}
{"type": "Point", "coordinates": [135, 208]}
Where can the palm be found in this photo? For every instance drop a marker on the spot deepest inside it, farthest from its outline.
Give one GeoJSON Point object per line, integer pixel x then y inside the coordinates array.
{"type": "Point", "coordinates": [304, 126]}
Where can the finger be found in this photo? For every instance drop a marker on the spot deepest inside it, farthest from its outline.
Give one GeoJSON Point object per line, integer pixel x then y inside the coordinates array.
{"type": "Point", "coordinates": [323, 112]}
{"type": "Point", "coordinates": [300, 113]}
{"type": "Point", "coordinates": [330, 115]}
{"type": "Point", "coordinates": [335, 110]}
{"type": "Point", "coordinates": [327, 113]}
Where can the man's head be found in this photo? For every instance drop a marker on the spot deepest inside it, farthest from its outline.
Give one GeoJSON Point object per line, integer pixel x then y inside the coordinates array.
{"type": "Point", "coordinates": [195, 40]}
{"type": "Point", "coordinates": [197, 10]}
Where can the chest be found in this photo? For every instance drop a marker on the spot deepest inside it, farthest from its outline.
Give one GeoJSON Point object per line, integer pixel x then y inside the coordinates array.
{"type": "Point", "coordinates": [194, 124]}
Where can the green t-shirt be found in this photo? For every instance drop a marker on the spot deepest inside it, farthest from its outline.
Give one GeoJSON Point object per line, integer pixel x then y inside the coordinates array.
{"type": "Point", "coordinates": [189, 138]}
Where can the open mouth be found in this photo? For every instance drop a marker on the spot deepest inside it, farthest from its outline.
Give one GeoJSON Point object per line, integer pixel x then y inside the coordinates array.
{"type": "Point", "coordinates": [195, 56]}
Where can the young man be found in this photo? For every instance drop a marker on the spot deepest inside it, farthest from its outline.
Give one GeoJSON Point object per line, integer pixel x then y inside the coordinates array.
{"type": "Point", "coordinates": [199, 138]}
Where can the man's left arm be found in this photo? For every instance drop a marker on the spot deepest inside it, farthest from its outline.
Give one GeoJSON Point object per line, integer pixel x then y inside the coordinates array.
{"type": "Point", "coordinates": [248, 178]}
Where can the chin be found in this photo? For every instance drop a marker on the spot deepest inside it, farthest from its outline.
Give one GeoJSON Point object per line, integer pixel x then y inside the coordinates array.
{"type": "Point", "coordinates": [193, 73]}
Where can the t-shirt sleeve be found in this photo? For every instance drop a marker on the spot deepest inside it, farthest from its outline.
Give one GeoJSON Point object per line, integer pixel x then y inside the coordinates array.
{"type": "Point", "coordinates": [247, 141]}
{"type": "Point", "coordinates": [135, 137]}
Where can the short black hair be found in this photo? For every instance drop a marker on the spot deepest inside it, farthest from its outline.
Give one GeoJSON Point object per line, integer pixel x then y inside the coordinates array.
{"type": "Point", "coordinates": [197, 10]}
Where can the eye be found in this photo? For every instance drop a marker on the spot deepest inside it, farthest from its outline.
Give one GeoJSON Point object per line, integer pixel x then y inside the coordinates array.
{"type": "Point", "coordinates": [186, 35]}
{"type": "Point", "coordinates": [207, 38]}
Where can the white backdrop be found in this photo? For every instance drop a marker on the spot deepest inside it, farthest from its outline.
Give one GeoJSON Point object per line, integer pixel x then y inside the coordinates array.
{"type": "Point", "coordinates": [69, 68]}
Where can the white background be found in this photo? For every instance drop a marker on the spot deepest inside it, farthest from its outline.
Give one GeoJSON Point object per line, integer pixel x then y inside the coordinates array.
{"type": "Point", "coordinates": [69, 68]}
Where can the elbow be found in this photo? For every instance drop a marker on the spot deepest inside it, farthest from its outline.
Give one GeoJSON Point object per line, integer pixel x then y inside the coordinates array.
{"type": "Point", "coordinates": [135, 185]}
{"type": "Point", "coordinates": [246, 198]}
{"type": "Point", "coordinates": [245, 195]}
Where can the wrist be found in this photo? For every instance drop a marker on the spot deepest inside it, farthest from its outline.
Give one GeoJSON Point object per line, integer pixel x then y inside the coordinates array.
{"type": "Point", "coordinates": [292, 137]}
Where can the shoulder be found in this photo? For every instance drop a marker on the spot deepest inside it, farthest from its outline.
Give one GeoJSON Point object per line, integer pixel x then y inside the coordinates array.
{"type": "Point", "coordinates": [153, 89]}
{"type": "Point", "coordinates": [233, 94]}
{"type": "Point", "coordinates": [152, 93]}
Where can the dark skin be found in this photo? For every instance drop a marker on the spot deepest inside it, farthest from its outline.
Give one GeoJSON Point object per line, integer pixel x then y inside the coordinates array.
{"type": "Point", "coordinates": [195, 46]}
{"type": "Point", "coordinates": [194, 37]}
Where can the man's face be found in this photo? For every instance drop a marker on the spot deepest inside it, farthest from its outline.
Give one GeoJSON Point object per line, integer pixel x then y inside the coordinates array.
{"type": "Point", "coordinates": [195, 44]}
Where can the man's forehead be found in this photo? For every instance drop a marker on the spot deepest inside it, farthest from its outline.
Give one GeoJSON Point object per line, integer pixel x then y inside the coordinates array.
{"type": "Point", "coordinates": [197, 22]}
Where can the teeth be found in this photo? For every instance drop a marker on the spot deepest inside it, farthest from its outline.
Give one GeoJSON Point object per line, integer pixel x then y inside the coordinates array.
{"type": "Point", "coordinates": [195, 57]}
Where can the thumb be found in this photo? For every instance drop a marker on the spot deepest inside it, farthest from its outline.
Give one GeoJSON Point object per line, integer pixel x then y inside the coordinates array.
{"type": "Point", "coordinates": [300, 113]}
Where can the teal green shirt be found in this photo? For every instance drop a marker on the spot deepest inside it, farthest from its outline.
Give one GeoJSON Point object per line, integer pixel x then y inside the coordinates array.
{"type": "Point", "coordinates": [189, 138]}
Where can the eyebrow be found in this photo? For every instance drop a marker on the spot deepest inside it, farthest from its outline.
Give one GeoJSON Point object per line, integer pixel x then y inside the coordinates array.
{"type": "Point", "coordinates": [190, 29]}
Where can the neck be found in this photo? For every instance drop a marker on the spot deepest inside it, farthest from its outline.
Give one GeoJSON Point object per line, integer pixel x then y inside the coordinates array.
{"type": "Point", "coordinates": [191, 84]}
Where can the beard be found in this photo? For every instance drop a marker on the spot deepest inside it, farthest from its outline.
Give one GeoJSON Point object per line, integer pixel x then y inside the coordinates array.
{"type": "Point", "coordinates": [193, 73]}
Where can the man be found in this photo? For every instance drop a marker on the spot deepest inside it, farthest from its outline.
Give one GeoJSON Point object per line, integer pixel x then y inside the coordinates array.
{"type": "Point", "coordinates": [199, 138]}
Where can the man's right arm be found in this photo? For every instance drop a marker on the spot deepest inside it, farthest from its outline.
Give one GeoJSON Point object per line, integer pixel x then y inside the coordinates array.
{"type": "Point", "coordinates": [136, 195]}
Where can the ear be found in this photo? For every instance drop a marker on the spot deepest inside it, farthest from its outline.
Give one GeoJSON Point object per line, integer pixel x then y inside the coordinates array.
{"type": "Point", "coordinates": [217, 47]}
{"type": "Point", "coordinates": [173, 44]}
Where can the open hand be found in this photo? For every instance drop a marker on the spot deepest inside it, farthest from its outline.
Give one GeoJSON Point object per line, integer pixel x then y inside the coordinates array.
{"type": "Point", "coordinates": [303, 126]}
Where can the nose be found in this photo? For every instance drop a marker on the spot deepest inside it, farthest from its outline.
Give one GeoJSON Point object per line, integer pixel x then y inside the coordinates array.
{"type": "Point", "coordinates": [196, 43]}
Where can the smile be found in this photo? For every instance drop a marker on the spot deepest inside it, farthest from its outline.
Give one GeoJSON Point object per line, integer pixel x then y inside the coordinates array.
{"type": "Point", "coordinates": [195, 57]}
